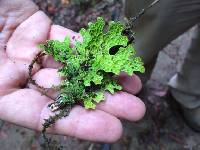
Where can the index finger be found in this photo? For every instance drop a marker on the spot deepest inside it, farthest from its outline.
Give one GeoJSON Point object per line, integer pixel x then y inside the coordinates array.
{"type": "Point", "coordinates": [22, 46]}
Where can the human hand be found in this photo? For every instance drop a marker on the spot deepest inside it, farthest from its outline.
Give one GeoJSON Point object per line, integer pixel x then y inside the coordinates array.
{"type": "Point", "coordinates": [23, 104]}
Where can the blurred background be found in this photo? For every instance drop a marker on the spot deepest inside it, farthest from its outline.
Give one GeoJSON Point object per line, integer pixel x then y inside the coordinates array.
{"type": "Point", "coordinates": [161, 129]}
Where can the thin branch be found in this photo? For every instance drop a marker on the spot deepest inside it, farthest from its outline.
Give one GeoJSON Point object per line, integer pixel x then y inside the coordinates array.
{"type": "Point", "coordinates": [30, 79]}
{"type": "Point", "coordinates": [142, 12]}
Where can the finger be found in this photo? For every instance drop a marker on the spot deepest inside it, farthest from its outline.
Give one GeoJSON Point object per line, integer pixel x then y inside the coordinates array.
{"type": "Point", "coordinates": [121, 104]}
{"type": "Point", "coordinates": [131, 84]}
{"type": "Point", "coordinates": [28, 108]}
{"type": "Point", "coordinates": [22, 46]}
{"type": "Point", "coordinates": [47, 78]}
{"type": "Point", "coordinates": [10, 78]}
{"type": "Point", "coordinates": [49, 62]}
{"type": "Point", "coordinates": [59, 33]}
{"type": "Point", "coordinates": [3, 56]}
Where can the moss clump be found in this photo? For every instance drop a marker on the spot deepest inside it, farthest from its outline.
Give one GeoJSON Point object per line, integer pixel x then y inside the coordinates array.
{"type": "Point", "coordinates": [91, 66]}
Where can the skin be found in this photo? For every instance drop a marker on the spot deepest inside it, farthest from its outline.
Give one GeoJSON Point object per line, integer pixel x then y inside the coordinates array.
{"type": "Point", "coordinates": [23, 104]}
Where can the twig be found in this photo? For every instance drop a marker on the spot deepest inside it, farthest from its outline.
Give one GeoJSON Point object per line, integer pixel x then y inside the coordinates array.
{"type": "Point", "coordinates": [51, 120]}
{"type": "Point", "coordinates": [30, 79]}
{"type": "Point", "coordinates": [141, 13]}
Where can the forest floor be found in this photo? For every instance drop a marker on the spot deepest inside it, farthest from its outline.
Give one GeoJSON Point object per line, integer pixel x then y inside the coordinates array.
{"type": "Point", "coordinates": [161, 129]}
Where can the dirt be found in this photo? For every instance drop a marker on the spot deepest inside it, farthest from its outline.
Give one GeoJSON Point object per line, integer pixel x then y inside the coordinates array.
{"type": "Point", "coordinates": [161, 129]}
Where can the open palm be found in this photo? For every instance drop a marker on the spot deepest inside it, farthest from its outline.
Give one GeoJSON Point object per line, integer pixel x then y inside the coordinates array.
{"type": "Point", "coordinates": [24, 105]}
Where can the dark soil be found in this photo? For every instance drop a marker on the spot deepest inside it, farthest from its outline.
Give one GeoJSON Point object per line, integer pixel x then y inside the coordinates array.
{"type": "Point", "coordinates": [162, 128]}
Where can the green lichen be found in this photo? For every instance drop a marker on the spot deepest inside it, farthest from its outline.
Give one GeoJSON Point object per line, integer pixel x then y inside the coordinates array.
{"type": "Point", "coordinates": [89, 69]}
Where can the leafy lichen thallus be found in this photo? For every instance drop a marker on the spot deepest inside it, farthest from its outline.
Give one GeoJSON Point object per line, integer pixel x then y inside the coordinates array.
{"type": "Point", "coordinates": [127, 32]}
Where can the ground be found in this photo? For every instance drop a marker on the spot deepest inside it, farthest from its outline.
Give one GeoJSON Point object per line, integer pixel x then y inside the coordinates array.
{"type": "Point", "coordinates": [162, 128]}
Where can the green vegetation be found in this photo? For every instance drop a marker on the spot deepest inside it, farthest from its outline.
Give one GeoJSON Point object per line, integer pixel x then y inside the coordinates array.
{"type": "Point", "coordinates": [90, 67]}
